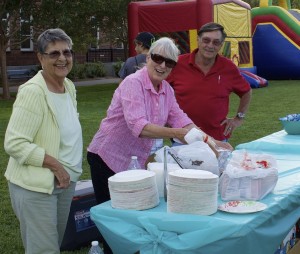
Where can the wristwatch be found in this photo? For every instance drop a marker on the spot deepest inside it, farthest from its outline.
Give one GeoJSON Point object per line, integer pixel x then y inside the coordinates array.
{"type": "Point", "coordinates": [241, 115]}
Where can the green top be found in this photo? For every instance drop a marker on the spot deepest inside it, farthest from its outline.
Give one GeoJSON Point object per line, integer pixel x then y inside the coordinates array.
{"type": "Point", "coordinates": [33, 131]}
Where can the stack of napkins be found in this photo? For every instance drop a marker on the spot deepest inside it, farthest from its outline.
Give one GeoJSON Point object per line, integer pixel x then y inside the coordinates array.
{"type": "Point", "coordinates": [158, 168]}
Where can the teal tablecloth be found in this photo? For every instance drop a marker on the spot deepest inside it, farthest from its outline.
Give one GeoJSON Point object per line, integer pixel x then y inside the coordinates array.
{"type": "Point", "coordinates": [156, 231]}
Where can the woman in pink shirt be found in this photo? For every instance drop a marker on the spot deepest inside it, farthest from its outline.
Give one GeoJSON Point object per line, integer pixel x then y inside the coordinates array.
{"type": "Point", "coordinates": [141, 107]}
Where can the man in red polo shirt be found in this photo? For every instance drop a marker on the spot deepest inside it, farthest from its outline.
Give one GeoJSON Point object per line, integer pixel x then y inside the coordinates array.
{"type": "Point", "coordinates": [203, 81]}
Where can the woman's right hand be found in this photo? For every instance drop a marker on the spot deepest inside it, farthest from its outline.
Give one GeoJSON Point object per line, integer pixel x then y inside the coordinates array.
{"type": "Point", "coordinates": [180, 133]}
{"type": "Point", "coordinates": [63, 178]}
{"type": "Point", "coordinates": [61, 175]}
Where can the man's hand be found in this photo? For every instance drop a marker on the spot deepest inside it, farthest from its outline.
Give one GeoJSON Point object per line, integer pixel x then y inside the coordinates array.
{"type": "Point", "coordinates": [231, 124]}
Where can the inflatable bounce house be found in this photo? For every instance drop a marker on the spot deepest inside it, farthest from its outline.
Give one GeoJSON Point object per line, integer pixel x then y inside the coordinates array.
{"type": "Point", "coordinates": [181, 20]}
{"type": "Point", "coordinates": [276, 40]}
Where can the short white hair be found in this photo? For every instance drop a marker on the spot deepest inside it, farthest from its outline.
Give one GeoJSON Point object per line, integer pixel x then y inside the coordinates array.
{"type": "Point", "coordinates": [165, 46]}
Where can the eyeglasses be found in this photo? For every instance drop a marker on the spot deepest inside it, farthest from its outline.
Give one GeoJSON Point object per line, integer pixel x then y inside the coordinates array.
{"type": "Point", "coordinates": [160, 59]}
{"type": "Point", "coordinates": [67, 53]}
{"type": "Point", "coordinates": [207, 40]}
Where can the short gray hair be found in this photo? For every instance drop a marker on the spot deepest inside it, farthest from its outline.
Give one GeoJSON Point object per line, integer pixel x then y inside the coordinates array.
{"type": "Point", "coordinates": [166, 46]}
{"type": "Point", "coordinates": [52, 36]}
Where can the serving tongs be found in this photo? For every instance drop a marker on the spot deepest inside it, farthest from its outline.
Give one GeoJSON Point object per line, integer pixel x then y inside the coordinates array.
{"type": "Point", "coordinates": [175, 158]}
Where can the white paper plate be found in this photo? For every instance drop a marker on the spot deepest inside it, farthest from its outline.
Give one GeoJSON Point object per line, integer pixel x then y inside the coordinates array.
{"type": "Point", "coordinates": [131, 175]}
{"type": "Point", "coordinates": [193, 173]}
{"type": "Point", "coordinates": [242, 206]}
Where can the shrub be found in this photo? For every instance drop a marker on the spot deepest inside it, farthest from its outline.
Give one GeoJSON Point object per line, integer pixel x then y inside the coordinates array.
{"type": "Point", "coordinates": [93, 70]}
{"type": "Point", "coordinates": [87, 70]}
{"type": "Point", "coordinates": [77, 72]}
{"type": "Point", "coordinates": [117, 67]}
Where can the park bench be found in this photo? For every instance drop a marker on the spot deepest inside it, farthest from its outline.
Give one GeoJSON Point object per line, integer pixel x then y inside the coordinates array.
{"type": "Point", "coordinates": [21, 73]}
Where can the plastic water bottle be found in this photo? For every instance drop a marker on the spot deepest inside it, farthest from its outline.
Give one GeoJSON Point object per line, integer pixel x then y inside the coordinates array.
{"type": "Point", "coordinates": [221, 153]}
{"type": "Point", "coordinates": [95, 249]}
{"type": "Point", "coordinates": [223, 159]}
{"type": "Point", "coordinates": [134, 164]}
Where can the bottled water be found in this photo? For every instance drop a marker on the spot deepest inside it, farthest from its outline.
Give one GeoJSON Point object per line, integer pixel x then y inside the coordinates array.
{"type": "Point", "coordinates": [95, 249]}
{"type": "Point", "coordinates": [134, 164]}
{"type": "Point", "coordinates": [223, 159]}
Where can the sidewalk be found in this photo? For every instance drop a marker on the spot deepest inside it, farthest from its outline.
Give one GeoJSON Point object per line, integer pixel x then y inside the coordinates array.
{"type": "Point", "coordinates": [92, 82]}
{"type": "Point", "coordinates": [99, 81]}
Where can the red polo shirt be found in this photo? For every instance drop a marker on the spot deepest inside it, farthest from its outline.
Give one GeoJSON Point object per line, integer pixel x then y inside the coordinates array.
{"type": "Point", "coordinates": [205, 98]}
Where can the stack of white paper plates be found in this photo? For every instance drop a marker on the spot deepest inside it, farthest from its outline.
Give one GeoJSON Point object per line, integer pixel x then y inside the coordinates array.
{"type": "Point", "coordinates": [192, 191]}
{"type": "Point", "coordinates": [133, 189]}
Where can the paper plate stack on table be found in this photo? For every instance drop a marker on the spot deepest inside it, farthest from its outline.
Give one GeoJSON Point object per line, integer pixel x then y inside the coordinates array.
{"type": "Point", "coordinates": [192, 191]}
{"type": "Point", "coordinates": [133, 190]}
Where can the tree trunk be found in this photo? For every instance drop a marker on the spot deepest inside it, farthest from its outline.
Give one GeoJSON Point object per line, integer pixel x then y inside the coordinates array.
{"type": "Point", "coordinates": [5, 85]}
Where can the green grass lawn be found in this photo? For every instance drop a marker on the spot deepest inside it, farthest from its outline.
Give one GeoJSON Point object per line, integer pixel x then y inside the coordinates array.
{"type": "Point", "coordinates": [268, 104]}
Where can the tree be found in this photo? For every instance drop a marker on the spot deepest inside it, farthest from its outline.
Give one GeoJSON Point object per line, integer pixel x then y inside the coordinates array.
{"type": "Point", "coordinates": [80, 20]}
{"type": "Point", "coordinates": [72, 16]}
{"type": "Point", "coordinates": [9, 33]}
{"type": "Point", "coordinates": [111, 17]}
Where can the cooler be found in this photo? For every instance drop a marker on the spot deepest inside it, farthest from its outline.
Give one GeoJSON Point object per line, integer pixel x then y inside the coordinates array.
{"type": "Point", "coordinates": [81, 230]}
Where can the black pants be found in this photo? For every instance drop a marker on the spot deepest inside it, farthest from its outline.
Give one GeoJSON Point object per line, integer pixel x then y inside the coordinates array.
{"type": "Point", "coordinates": [100, 173]}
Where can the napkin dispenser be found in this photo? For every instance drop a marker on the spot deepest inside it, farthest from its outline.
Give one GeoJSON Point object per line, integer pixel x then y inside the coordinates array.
{"type": "Point", "coordinates": [158, 169]}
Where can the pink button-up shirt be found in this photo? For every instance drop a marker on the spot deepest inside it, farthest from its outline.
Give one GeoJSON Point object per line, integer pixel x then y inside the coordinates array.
{"type": "Point", "coordinates": [134, 105]}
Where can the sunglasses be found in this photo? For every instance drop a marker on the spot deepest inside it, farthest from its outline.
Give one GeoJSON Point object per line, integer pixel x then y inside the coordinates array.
{"type": "Point", "coordinates": [207, 40]}
{"type": "Point", "coordinates": [67, 53]}
{"type": "Point", "coordinates": [160, 59]}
